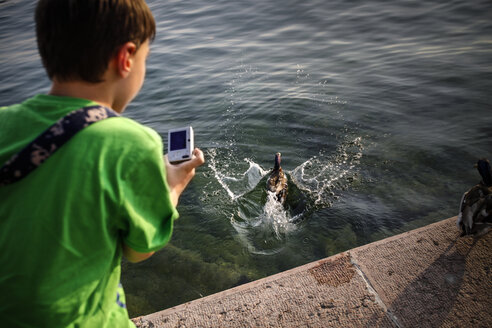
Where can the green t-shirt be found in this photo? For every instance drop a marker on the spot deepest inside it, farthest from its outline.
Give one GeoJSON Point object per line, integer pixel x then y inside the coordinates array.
{"type": "Point", "coordinates": [62, 226]}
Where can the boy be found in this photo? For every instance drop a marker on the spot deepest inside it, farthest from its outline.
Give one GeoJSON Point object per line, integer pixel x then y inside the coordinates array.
{"type": "Point", "coordinates": [106, 192]}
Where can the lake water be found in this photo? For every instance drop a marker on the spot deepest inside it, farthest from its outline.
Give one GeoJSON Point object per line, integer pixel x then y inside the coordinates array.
{"type": "Point", "coordinates": [379, 108]}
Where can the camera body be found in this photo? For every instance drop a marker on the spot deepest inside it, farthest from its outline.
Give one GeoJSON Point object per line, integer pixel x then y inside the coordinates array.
{"type": "Point", "coordinates": [180, 144]}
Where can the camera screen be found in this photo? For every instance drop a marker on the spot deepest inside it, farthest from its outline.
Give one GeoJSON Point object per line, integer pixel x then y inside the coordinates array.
{"type": "Point", "coordinates": [178, 140]}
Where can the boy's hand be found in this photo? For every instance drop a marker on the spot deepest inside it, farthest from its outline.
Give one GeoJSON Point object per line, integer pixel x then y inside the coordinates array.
{"type": "Point", "coordinates": [179, 175]}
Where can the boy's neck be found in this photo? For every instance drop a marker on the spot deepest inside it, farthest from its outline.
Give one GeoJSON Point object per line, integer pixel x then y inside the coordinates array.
{"type": "Point", "coordinates": [98, 92]}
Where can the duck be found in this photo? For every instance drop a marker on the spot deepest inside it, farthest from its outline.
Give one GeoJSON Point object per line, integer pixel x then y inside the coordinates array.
{"type": "Point", "coordinates": [475, 214]}
{"type": "Point", "coordinates": [277, 181]}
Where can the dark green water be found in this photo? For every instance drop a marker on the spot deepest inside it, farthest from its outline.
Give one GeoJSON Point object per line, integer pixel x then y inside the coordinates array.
{"type": "Point", "coordinates": [379, 108]}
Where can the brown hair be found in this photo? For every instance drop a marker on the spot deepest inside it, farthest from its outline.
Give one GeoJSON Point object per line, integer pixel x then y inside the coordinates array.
{"type": "Point", "coordinates": [77, 38]}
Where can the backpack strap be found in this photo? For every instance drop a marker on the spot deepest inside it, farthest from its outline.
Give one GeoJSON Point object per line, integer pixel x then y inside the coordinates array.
{"type": "Point", "coordinates": [48, 142]}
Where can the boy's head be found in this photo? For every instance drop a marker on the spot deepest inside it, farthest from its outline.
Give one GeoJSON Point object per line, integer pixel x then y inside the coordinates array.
{"type": "Point", "coordinates": [78, 38]}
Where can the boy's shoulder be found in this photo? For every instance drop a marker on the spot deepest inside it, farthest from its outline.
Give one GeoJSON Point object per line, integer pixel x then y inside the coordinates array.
{"type": "Point", "coordinates": [48, 109]}
{"type": "Point", "coordinates": [122, 129]}
{"type": "Point", "coordinates": [24, 122]}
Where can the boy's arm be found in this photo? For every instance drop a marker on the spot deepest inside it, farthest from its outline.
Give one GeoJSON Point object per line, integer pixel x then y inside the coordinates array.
{"type": "Point", "coordinates": [134, 256]}
{"type": "Point", "coordinates": [178, 177]}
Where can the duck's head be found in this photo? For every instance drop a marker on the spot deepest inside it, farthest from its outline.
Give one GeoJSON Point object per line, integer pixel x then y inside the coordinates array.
{"type": "Point", "coordinates": [483, 167]}
{"type": "Point", "coordinates": [278, 158]}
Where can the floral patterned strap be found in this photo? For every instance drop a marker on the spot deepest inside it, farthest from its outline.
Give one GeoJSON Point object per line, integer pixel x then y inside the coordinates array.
{"type": "Point", "coordinates": [48, 142]}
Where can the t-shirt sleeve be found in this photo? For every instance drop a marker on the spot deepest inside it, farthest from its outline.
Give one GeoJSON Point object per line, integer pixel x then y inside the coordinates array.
{"type": "Point", "coordinates": [147, 211]}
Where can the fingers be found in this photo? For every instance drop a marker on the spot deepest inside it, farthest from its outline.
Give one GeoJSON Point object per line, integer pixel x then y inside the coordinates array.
{"type": "Point", "coordinates": [198, 157]}
{"type": "Point", "coordinates": [196, 160]}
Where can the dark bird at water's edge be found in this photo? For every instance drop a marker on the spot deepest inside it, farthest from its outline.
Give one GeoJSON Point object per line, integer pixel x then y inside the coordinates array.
{"type": "Point", "coordinates": [475, 216]}
{"type": "Point", "coordinates": [277, 182]}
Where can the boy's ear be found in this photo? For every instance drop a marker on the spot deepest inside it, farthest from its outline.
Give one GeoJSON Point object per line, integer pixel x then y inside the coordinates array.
{"type": "Point", "coordinates": [124, 58]}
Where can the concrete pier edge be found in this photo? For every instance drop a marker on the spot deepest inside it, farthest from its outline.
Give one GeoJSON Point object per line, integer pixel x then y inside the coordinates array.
{"type": "Point", "coordinates": [427, 277]}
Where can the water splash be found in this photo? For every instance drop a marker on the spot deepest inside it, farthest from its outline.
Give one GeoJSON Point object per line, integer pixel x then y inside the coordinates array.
{"type": "Point", "coordinates": [236, 185]}
{"type": "Point", "coordinates": [265, 229]}
{"type": "Point", "coordinates": [238, 190]}
{"type": "Point", "coordinates": [262, 223]}
{"type": "Point", "coordinates": [322, 175]}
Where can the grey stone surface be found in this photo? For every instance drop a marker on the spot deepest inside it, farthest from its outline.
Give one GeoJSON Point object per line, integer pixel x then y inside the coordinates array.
{"type": "Point", "coordinates": [431, 277]}
{"type": "Point", "coordinates": [427, 277]}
